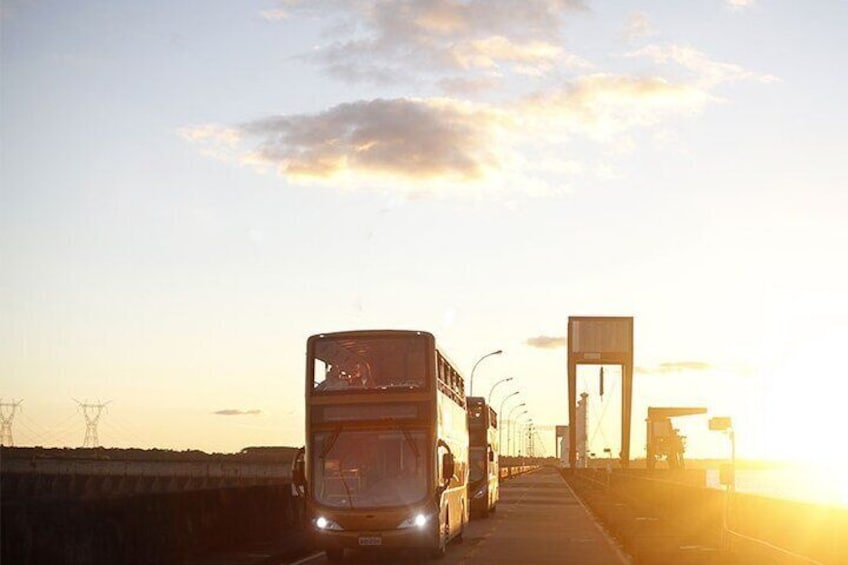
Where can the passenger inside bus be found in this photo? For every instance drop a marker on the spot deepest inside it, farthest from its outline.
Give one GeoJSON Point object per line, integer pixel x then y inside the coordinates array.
{"type": "Point", "coordinates": [337, 378]}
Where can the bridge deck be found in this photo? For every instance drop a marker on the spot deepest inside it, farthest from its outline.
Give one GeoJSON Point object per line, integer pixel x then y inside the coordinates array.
{"type": "Point", "coordinates": [539, 520]}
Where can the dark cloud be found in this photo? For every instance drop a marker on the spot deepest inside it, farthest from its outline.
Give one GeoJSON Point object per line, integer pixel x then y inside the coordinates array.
{"type": "Point", "coordinates": [415, 139]}
{"type": "Point", "coordinates": [236, 412]}
{"type": "Point", "coordinates": [547, 342]}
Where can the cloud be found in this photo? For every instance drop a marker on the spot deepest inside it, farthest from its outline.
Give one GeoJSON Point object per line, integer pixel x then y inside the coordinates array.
{"type": "Point", "coordinates": [214, 141]}
{"type": "Point", "coordinates": [675, 367]}
{"type": "Point", "coordinates": [739, 4]}
{"type": "Point", "coordinates": [408, 139]}
{"type": "Point", "coordinates": [236, 412]}
{"type": "Point", "coordinates": [423, 38]}
{"type": "Point", "coordinates": [530, 57]}
{"type": "Point", "coordinates": [547, 342]}
{"type": "Point", "coordinates": [424, 146]}
{"type": "Point", "coordinates": [603, 106]}
{"type": "Point", "coordinates": [439, 145]}
{"type": "Point", "coordinates": [459, 86]}
{"type": "Point", "coordinates": [428, 146]}
{"type": "Point", "coordinates": [708, 73]}
{"type": "Point", "coordinates": [274, 15]}
{"type": "Point", "coordinates": [638, 26]}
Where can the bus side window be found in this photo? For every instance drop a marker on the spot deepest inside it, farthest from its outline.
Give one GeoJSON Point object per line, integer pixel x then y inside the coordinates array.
{"type": "Point", "coordinates": [320, 373]}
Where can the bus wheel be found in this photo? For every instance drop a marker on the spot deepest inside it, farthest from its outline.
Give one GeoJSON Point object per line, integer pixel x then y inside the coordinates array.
{"type": "Point", "coordinates": [335, 555]}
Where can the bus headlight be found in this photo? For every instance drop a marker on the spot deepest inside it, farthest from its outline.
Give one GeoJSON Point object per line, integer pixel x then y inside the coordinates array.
{"type": "Point", "coordinates": [416, 521]}
{"type": "Point", "coordinates": [323, 523]}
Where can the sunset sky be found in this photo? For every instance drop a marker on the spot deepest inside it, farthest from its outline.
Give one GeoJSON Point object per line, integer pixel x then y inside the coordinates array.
{"type": "Point", "coordinates": [188, 190]}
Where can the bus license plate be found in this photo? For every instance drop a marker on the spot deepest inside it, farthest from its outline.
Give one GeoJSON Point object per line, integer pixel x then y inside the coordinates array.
{"type": "Point", "coordinates": [370, 540]}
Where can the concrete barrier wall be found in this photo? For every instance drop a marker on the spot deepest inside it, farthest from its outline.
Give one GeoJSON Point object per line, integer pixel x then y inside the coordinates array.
{"type": "Point", "coordinates": [213, 469]}
{"type": "Point", "coordinates": [149, 528]}
{"type": "Point", "coordinates": [515, 470]}
{"type": "Point", "coordinates": [99, 512]}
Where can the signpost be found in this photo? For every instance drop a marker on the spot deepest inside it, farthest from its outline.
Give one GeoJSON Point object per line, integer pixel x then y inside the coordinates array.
{"type": "Point", "coordinates": [727, 473]}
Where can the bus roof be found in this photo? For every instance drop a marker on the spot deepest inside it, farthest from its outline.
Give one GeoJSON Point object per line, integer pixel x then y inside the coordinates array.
{"type": "Point", "coordinates": [351, 333]}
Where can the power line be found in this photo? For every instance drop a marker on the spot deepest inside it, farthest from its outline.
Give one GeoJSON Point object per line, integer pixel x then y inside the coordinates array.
{"type": "Point", "coordinates": [61, 433]}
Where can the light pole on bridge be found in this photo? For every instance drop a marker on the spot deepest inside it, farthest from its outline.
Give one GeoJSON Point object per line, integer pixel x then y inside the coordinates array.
{"type": "Point", "coordinates": [510, 429]}
{"type": "Point", "coordinates": [471, 379]}
{"type": "Point", "coordinates": [502, 421]}
{"type": "Point", "coordinates": [491, 390]}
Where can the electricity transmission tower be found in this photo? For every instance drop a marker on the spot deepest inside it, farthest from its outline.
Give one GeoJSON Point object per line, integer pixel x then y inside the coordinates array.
{"type": "Point", "coordinates": [7, 414]}
{"type": "Point", "coordinates": [92, 416]}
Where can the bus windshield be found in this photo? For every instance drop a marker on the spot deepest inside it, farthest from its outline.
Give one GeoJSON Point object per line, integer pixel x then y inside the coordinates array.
{"type": "Point", "coordinates": [369, 363]}
{"type": "Point", "coordinates": [369, 469]}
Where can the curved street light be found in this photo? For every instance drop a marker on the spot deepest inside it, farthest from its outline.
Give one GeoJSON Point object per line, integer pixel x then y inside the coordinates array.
{"type": "Point", "coordinates": [526, 440]}
{"type": "Point", "coordinates": [491, 390]}
{"type": "Point", "coordinates": [517, 430]}
{"type": "Point", "coordinates": [524, 437]}
{"type": "Point", "coordinates": [471, 379]}
{"type": "Point", "coordinates": [502, 421]}
{"type": "Point", "coordinates": [509, 426]}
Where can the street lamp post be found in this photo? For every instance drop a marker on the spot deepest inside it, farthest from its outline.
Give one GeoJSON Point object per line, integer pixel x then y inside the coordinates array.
{"type": "Point", "coordinates": [491, 390]}
{"type": "Point", "coordinates": [727, 474]}
{"type": "Point", "coordinates": [509, 429]}
{"type": "Point", "coordinates": [524, 439]}
{"type": "Point", "coordinates": [502, 421]}
{"type": "Point", "coordinates": [518, 429]}
{"type": "Point", "coordinates": [471, 379]}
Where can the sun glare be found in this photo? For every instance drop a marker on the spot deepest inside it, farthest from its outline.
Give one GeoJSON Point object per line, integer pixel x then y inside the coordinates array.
{"type": "Point", "coordinates": [822, 483]}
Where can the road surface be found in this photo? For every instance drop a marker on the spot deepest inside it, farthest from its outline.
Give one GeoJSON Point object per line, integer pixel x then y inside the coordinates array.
{"type": "Point", "coordinates": [538, 520]}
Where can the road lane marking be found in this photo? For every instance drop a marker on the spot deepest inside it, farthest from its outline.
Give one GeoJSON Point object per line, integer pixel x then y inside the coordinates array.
{"type": "Point", "coordinates": [308, 558]}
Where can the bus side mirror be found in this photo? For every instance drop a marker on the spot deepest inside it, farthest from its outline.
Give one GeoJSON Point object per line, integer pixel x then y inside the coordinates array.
{"type": "Point", "coordinates": [299, 474]}
{"type": "Point", "coordinates": [448, 466]}
{"type": "Point", "coordinates": [299, 468]}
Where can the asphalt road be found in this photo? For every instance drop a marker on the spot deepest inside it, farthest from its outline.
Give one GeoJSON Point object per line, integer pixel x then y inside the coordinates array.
{"type": "Point", "coordinates": [538, 520]}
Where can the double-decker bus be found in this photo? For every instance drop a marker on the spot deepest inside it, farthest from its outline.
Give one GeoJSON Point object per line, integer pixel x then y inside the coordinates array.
{"type": "Point", "coordinates": [483, 474]}
{"type": "Point", "coordinates": [386, 455]}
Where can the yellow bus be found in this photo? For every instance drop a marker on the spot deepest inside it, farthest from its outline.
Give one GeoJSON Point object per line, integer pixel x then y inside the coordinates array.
{"type": "Point", "coordinates": [483, 474]}
{"type": "Point", "coordinates": [386, 455]}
